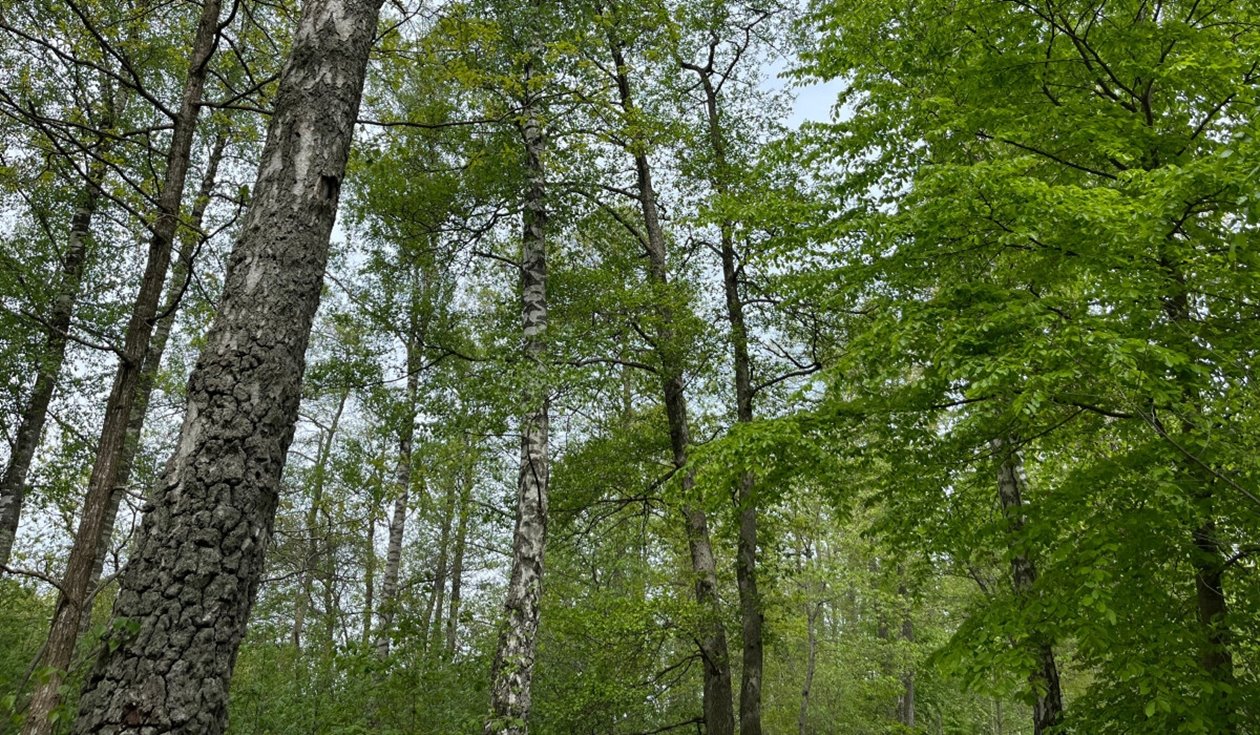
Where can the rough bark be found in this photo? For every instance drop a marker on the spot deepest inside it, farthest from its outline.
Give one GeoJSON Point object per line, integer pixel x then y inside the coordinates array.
{"type": "Point", "coordinates": [153, 357]}
{"type": "Point", "coordinates": [403, 477]}
{"type": "Point", "coordinates": [74, 593]}
{"type": "Point", "coordinates": [718, 708]}
{"type": "Point", "coordinates": [191, 580]}
{"type": "Point", "coordinates": [314, 552]}
{"type": "Point", "coordinates": [48, 367]}
{"type": "Point", "coordinates": [512, 672]}
{"type": "Point", "coordinates": [1044, 679]}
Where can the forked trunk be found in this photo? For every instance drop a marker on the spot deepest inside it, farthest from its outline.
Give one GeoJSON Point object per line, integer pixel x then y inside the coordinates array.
{"type": "Point", "coordinates": [719, 714]}
{"type": "Point", "coordinates": [190, 582]}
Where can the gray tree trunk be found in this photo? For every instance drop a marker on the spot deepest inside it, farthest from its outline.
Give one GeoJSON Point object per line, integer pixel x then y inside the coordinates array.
{"type": "Point", "coordinates": [513, 669]}
{"type": "Point", "coordinates": [192, 578]}
{"type": "Point", "coordinates": [1044, 680]}
{"type": "Point", "coordinates": [457, 564]}
{"type": "Point", "coordinates": [74, 593]}
{"type": "Point", "coordinates": [403, 478]}
{"type": "Point", "coordinates": [812, 612]}
{"type": "Point", "coordinates": [719, 714]}
{"type": "Point", "coordinates": [437, 601]}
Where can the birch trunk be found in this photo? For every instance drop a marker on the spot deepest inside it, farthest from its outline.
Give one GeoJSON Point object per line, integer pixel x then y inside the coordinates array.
{"type": "Point", "coordinates": [74, 593]}
{"type": "Point", "coordinates": [513, 669]}
{"type": "Point", "coordinates": [1044, 680]}
{"type": "Point", "coordinates": [192, 578]}
{"type": "Point", "coordinates": [718, 709]}
{"type": "Point", "coordinates": [403, 478]}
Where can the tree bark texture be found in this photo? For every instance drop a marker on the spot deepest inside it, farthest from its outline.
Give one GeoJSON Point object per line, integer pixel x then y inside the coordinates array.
{"type": "Point", "coordinates": [1044, 680]}
{"type": "Point", "coordinates": [719, 714]}
{"type": "Point", "coordinates": [48, 367]}
{"type": "Point", "coordinates": [513, 669]}
{"type": "Point", "coordinates": [191, 240]}
{"type": "Point", "coordinates": [74, 594]}
{"type": "Point", "coordinates": [191, 580]}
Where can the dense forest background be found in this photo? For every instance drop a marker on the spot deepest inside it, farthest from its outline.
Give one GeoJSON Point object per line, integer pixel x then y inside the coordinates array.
{"type": "Point", "coordinates": [633, 403]}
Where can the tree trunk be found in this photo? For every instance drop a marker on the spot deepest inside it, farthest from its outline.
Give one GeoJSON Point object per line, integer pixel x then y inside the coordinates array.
{"type": "Point", "coordinates": [48, 368]}
{"type": "Point", "coordinates": [811, 660]}
{"type": "Point", "coordinates": [313, 555]}
{"type": "Point", "coordinates": [457, 565]}
{"type": "Point", "coordinates": [905, 706]}
{"type": "Point", "coordinates": [369, 576]}
{"type": "Point", "coordinates": [718, 709]}
{"type": "Point", "coordinates": [513, 669]}
{"type": "Point", "coordinates": [1048, 707]}
{"type": "Point", "coordinates": [192, 578]}
{"type": "Point", "coordinates": [403, 478]}
{"type": "Point", "coordinates": [153, 358]}
{"type": "Point", "coordinates": [73, 598]}
{"type": "Point", "coordinates": [437, 601]}
{"type": "Point", "coordinates": [1207, 553]}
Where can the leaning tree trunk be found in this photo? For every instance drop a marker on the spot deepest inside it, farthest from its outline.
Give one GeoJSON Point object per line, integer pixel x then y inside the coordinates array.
{"type": "Point", "coordinates": [513, 669]}
{"type": "Point", "coordinates": [74, 592]}
{"type": "Point", "coordinates": [191, 580]}
{"type": "Point", "coordinates": [57, 328]}
{"type": "Point", "coordinates": [153, 358]}
{"type": "Point", "coordinates": [719, 714]}
{"type": "Point", "coordinates": [48, 369]}
{"type": "Point", "coordinates": [1044, 680]}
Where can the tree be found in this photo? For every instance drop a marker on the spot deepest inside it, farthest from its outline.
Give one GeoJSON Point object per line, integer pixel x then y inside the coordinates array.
{"type": "Point", "coordinates": [243, 396]}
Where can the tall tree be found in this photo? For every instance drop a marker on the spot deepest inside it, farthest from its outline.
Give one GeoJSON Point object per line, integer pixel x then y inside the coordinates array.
{"type": "Point", "coordinates": [513, 669]}
{"type": "Point", "coordinates": [718, 702]}
{"type": "Point", "coordinates": [195, 570]}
